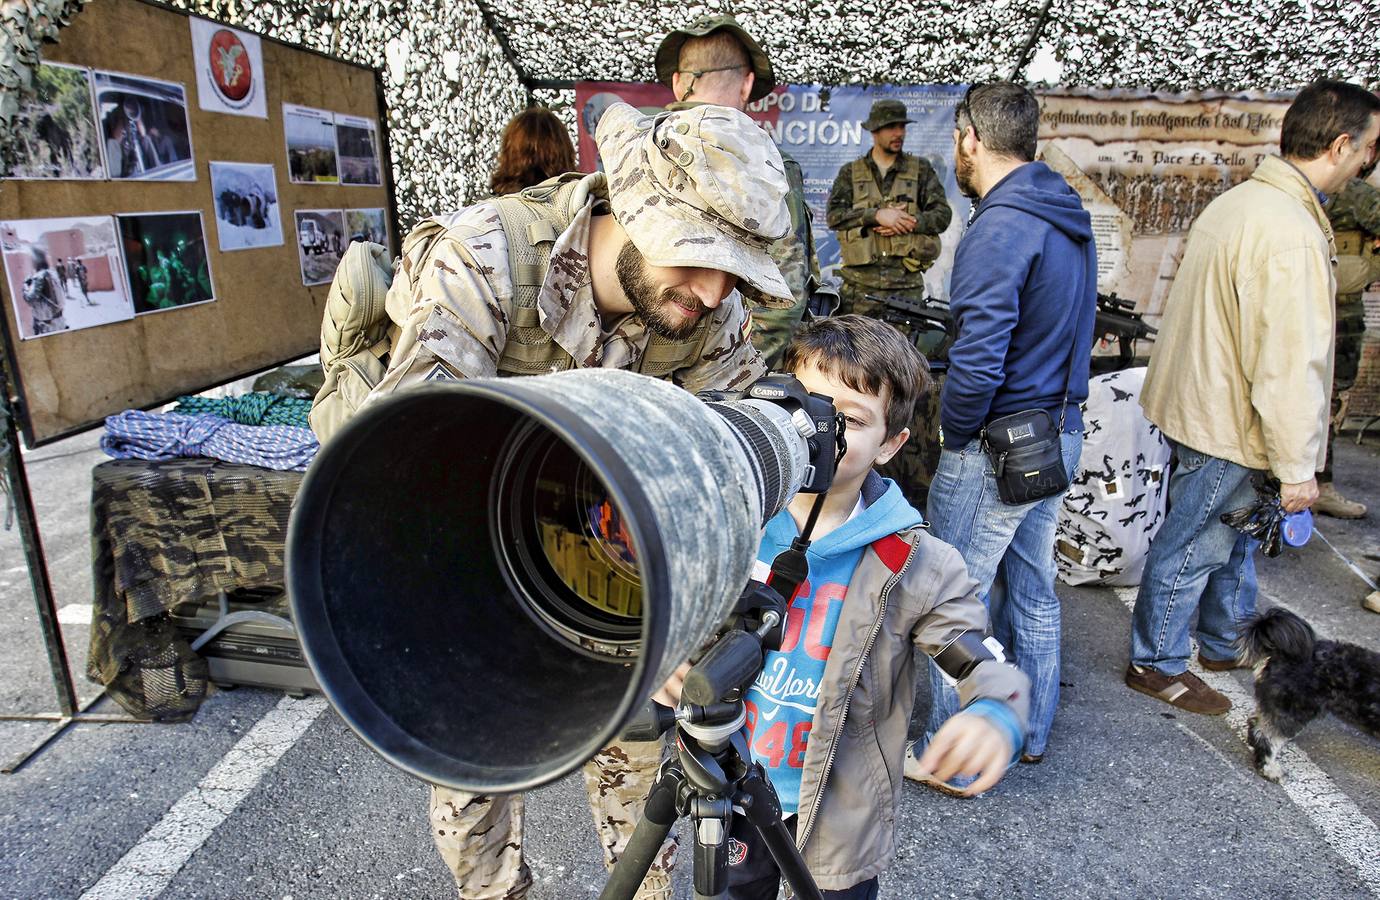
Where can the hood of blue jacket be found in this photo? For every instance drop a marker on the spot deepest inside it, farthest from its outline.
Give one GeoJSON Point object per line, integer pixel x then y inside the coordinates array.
{"type": "Point", "coordinates": [886, 513]}
{"type": "Point", "coordinates": [1037, 189]}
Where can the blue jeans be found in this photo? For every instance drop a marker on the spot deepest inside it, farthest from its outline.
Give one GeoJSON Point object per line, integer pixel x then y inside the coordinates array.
{"type": "Point", "coordinates": [1009, 551]}
{"type": "Point", "coordinates": [1196, 564]}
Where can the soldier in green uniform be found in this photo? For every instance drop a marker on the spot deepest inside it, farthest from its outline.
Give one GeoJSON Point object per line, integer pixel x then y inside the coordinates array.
{"type": "Point", "coordinates": [1355, 217]}
{"type": "Point", "coordinates": [714, 60]}
{"type": "Point", "coordinates": [888, 209]}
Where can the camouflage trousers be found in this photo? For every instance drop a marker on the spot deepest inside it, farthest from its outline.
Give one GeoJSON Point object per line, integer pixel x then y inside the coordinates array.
{"type": "Point", "coordinates": [1351, 331]}
{"type": "Point", "coordinates": [480, 837]}
{"type": "Point", "coordinates": [912, 468]}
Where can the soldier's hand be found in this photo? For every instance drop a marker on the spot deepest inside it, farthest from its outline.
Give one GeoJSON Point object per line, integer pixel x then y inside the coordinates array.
{"type": "Point", "coordinates": [1294, 497]}
{"type": "Point", "coordinates": [885, 231]}
{"type": "Point", "coordinates": [669, 694]}
{"type": "Point", "coordinates": [898, 220]}
{"type": "Point", "coordinates": [969, 745]}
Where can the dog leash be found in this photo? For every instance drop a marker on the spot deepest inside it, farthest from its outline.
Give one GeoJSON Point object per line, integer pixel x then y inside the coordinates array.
{"type": "Point", "coordinates": [1349, 564]}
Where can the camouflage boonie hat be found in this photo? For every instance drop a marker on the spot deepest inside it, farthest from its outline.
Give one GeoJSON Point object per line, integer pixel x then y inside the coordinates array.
{"type": "Point", "coordinates": [886, 112]}
{"type": "Point", "coordinates": [668, 54]}
{"type": "Point", "coordinates": [701, 187]}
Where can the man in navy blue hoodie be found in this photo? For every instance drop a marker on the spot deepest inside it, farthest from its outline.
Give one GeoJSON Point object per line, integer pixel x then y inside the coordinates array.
{"type": "Point", "coordinates": [1024, 297]}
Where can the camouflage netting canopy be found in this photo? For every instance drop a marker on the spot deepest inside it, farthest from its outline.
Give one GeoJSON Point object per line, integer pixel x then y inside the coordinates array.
{"type": "Point", "coordinates": [454, 72]}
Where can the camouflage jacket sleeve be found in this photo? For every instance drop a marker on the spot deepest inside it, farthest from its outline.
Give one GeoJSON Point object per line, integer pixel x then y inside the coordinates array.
{"type": "Point", "coordinates": [727, 361]}
{"type": "Point", "coordinates": [792, 253]}
{"type": "Point", "coordinates": [451, 299]}
{"type": "Point", "coordinates": [841, 214]}
{"type": "Point", "coordinates": [1361, 201]}
{"type": "Point", "coordinates": [773, 327]}
{"type": "Point", "coordinates": [935, 212]}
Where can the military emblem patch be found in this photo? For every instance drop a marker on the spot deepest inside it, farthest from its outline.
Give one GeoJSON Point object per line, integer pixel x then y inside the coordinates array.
{"type": "Point", "coordinates": [439, 372]}
{"type": "Point", "coordinates": [737, 852]}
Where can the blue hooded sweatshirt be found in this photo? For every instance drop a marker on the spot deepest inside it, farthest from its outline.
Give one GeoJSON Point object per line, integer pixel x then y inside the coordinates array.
{"type": "Point", "coordinates": [1024, 299]}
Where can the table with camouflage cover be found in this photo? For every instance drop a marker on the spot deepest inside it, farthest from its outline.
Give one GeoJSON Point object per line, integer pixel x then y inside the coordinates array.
{"type": "Point", "coordinates": [168, 532]}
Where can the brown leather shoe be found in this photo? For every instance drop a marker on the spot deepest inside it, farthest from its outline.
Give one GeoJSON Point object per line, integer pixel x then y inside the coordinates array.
{"type": "Point", "coordinates": [1331, 503]}
{"type": "Point", "coordinates": [1220, 665]}
{"type": "Point", "coordinates": [1186, 691]}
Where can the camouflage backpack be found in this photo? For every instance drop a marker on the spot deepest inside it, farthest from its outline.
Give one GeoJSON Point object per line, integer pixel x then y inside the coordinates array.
{"type": "Point", "coordinates": [358, 331]}
{"type": "Point", "coordinates": [356, 335]}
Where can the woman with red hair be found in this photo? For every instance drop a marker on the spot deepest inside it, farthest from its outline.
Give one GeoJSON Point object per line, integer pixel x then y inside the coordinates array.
{"type": "Point", "coordinates": [535, 147]}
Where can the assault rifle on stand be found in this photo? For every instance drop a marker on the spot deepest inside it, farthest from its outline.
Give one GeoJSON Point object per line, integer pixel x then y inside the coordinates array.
{"type": "Point", "coordinates": [918, 318]}
{"type": "Point", "coordinates": [1117, 320]}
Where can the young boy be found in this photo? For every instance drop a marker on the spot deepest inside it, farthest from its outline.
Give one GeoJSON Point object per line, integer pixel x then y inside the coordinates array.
{"type": "Point", "coordinates": [828, 715]}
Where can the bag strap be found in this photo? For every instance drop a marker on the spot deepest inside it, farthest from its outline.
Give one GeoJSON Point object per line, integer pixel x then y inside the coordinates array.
{"type": "Point", "coordinates": [1063, 404]}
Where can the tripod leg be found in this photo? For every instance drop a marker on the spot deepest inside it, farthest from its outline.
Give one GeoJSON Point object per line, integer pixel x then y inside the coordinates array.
{"type": "Point", "coordinates": [658, 816]}
{"type": "Point", "coordinates": [711, 819]}
{"type": "Point", "coordinates": [764, 812]}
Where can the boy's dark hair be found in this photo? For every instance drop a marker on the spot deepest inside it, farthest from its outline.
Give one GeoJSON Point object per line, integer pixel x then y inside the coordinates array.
{"type": "Point", "coordinates": [1321, 112]}
{"type": "Point", "coordinates": [868, 356]}
{"type": "Point", "coordinates": [1005, 116]}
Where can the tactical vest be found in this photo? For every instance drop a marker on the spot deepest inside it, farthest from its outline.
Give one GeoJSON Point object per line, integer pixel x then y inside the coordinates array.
{"type": "Point", "coordinates": [532, 220]}
{"type": "Point", "coordinates": [863, 246]}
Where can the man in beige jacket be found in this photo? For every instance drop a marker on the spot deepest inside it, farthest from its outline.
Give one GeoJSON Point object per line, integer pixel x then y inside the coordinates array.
{"type": "Point", "coordinates": [1239, 382]}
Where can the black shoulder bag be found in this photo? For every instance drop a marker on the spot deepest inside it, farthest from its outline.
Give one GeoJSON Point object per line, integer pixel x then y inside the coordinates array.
{"type": "Point", "coordinates": [1027, 452]}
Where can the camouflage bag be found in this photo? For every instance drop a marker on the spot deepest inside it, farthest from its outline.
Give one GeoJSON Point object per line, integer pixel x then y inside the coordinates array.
{"type": "Point", "coordinates": [355, 336]}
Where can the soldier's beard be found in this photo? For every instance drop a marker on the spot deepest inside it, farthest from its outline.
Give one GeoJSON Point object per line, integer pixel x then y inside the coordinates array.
{"type": "Point", "coordinates": [660, 308]}
{"type": "Point", "coordinates": [963, 172]}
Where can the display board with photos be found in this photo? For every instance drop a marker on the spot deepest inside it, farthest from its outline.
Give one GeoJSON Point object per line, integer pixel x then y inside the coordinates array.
{"type": "Point", "coordinates": [158, 233]}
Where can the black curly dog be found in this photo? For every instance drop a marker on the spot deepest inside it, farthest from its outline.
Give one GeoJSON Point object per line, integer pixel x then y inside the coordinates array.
{"type": "Point", "coordinates": [1298, 678]}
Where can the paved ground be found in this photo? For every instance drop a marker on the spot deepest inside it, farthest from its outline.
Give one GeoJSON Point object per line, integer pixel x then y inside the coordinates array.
{"type": "Point", "coordinates": [263, 796]}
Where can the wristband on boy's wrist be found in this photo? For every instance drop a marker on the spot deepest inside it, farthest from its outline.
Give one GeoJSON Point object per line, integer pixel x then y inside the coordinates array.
{"type": "Point", "coordinates": [1003, 717]}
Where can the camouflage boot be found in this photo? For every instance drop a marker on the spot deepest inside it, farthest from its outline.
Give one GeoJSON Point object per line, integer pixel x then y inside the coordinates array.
{"type": "Point", "coordinates": [1331, 503]}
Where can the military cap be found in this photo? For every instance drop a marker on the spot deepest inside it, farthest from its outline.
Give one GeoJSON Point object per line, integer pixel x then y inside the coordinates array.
{"type": "Point", "coordinates": [668, 54]}
{"type": "Point", "coordinates": [701, 187]}
{"type": "Point", "coordinates": [884, 113]}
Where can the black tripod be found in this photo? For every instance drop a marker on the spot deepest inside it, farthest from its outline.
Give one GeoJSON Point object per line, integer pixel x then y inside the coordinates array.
{"type": "Point", "coordinates": [712, 775]}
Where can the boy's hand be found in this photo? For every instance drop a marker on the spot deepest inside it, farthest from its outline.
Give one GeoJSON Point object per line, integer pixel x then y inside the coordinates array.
{"type": "Point", "coordinates": [968, 745]}
{"type": "Point", "coordinates": [669, 694]}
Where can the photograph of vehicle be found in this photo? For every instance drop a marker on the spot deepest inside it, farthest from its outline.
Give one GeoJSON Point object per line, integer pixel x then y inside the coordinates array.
{"type": "Point", "coordinates": [320, 243]}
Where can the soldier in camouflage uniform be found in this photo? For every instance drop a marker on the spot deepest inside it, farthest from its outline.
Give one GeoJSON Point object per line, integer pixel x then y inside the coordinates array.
{"type": "Point", "coordinates": [887, 209]}
{"type": "Point", "coordinates": [714, 60]}
{"type": "Point", "coordinates": [696, 200]}
{"type": "Point", "coordinates": [1355, 217]}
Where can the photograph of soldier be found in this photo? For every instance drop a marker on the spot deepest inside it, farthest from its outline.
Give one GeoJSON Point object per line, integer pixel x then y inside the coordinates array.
{"type": "Point", "coordinates": [44, 294]}
{"type": "Point", "coordinates": [144, 123]}
{"type": "Point", "coordinates": [367, 225]}
{"type": "Point", "coordinates": [55, 133]}
{"type": "Point", "coordinates": [310, 145]}
{"type": "Point", "coordinates": [165, 259]}
{"type": "Point", "coordinates": [887, 209]}
{"type": "Point", "coordinates": [320, 243]}
{"type": "Point", "coordinates": [358, 149]}
{"type": "Point", "coordinates": [63, 274]}
{"type": "Point", "coordinates": [246, 203]}
{"type": "Point", "coordinates": [1355, 217]}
